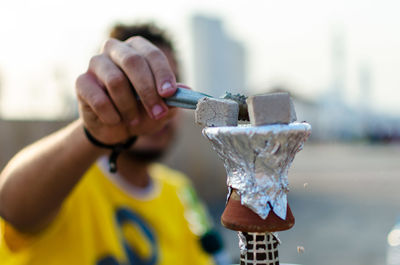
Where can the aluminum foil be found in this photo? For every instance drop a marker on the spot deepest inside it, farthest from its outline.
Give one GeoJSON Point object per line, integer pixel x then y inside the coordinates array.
{"type": "Point", "coordinates": [257, 160]}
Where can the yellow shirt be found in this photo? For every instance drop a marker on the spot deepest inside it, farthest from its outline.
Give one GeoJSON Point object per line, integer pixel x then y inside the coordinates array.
{"type": "Point", "coordinates": [101, 223]}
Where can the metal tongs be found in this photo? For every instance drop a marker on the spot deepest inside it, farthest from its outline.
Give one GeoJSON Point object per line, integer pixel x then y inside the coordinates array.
{"type": "Point", "coordinates": [187, 99]}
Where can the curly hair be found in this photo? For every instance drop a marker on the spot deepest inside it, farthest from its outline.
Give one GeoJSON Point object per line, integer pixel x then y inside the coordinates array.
{"type": "Point", "coordinates": [149, 31]}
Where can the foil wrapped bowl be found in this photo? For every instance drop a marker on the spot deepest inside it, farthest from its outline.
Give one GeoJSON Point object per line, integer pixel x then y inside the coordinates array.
{"type": "Point", "coordinates": [257, 160]}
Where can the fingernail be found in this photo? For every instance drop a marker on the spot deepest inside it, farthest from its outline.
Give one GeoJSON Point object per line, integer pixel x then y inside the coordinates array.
{"type": "Point", "coordinates": [166, 86]}
{"type": "Point", "coordinates": [157, 111]}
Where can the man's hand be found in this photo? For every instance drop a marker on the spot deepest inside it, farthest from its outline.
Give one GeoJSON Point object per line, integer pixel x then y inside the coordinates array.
{"type": "Point", "coordinates": [107, 101]}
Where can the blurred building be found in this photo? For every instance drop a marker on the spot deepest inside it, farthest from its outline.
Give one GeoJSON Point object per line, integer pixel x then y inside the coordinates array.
{"type": "Point", "coordinates": [219, 66]}
{"type": "Point", "coordinates": [219, 60]}
{"type": "Point", "coordinates": [337, 120]}
{"type": "Point", "coordinates": [340, 121]}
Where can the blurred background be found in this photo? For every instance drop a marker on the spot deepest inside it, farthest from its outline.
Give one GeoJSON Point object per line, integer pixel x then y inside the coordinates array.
{"type": "Point", "coordinates": [340, 60]}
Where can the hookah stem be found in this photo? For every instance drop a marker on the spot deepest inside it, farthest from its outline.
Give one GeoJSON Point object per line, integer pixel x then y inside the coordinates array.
{"type": "Point", "coordinates": [261, 249]}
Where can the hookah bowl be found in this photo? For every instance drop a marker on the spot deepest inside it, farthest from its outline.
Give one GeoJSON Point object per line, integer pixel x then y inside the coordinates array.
{"type": "Point", "coordinates": [257, 159]}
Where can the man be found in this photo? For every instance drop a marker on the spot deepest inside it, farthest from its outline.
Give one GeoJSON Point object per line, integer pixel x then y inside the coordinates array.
{"type": "Point", "coordinates": [59, 202]}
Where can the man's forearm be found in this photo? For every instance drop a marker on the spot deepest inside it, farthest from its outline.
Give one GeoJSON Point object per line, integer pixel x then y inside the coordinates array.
{"type": "Point", "coordinates": [37, 180]}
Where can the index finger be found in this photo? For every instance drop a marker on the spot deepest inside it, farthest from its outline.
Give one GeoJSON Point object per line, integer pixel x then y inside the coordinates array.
{"type": "Point", "coordinates": [160, 67]}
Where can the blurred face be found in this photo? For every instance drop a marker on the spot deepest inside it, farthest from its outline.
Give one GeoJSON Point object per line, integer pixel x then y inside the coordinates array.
{"type": "Point", "coordinates": [151, 147]}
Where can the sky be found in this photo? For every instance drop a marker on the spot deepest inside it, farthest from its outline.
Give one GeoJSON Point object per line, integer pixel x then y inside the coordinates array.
{"type": "Point", "coordinates": [46, 44]}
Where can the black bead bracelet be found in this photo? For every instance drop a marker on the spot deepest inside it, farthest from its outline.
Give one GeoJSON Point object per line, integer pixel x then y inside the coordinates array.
{"type": "Point", "coordinates": [115, 148]}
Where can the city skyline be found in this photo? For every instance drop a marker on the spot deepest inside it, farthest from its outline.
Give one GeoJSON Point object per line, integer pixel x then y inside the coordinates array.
{"type": "Point", "coordinates": [287, 43]}
{"type": "Point", "coordinates": [218, 60]}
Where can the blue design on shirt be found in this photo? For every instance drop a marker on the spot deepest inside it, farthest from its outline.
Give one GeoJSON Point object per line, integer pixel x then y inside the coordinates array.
{"type": "Point", "coordinates": [123, 216]}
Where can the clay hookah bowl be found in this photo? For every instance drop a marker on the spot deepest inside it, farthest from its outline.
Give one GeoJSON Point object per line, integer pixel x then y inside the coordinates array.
{"type": "Point", "coordinates": [257, 159]}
